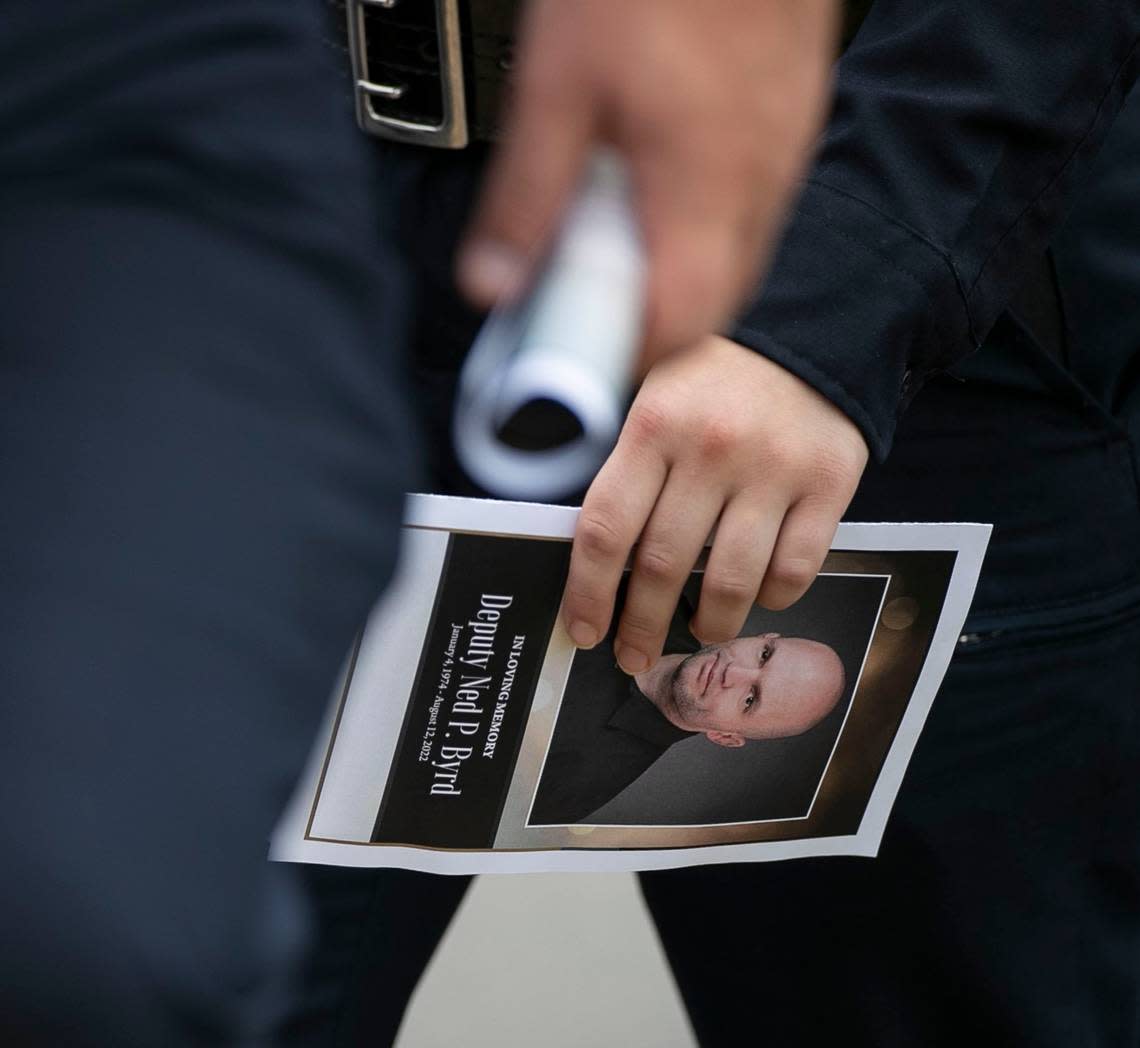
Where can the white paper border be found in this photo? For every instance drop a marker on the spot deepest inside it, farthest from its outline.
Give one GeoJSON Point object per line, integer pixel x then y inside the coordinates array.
{"type": "Point", "coordinates": [532, 520]}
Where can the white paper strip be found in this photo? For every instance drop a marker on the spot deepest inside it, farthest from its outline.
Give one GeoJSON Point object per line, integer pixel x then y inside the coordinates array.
{"type": "Point", "coordinates": [572, 342]}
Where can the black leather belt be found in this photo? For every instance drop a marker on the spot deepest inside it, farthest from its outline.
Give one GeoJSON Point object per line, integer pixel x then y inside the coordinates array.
{"type": "Point", "coordinates": [432, 72]}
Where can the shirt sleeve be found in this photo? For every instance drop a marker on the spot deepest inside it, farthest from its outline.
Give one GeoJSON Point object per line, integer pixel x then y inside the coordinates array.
{"type": "Point", "coordinates": [960, 130]}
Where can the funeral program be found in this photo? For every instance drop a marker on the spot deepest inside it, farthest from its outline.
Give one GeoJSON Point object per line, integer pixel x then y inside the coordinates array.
{"type": "Point", "coordinates": [467, 733]}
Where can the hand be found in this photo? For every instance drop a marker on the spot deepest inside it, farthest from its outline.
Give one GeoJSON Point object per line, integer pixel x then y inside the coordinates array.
{"type": "Point", "coordinates": [718, 435]}
{"type": "Point", "coordinates": [715, 106]}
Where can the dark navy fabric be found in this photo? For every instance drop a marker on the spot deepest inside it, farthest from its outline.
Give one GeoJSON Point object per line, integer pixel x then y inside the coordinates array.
{"type": "Point", "coordinates": [202, 454]}
{"type": "Point", "coordinates": [960, 131]}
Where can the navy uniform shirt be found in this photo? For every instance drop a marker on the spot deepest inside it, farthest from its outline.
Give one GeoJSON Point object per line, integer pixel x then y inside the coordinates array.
{"type": "Point", "coordinates": [961, 132]}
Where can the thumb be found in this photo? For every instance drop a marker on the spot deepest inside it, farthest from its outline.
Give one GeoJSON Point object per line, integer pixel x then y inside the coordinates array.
{"type": "Point", "coordinates": [535, 169]}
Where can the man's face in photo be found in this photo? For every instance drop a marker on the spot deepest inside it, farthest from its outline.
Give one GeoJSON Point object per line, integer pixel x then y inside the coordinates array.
{"type": "Point", "coordinates": [762, 687]}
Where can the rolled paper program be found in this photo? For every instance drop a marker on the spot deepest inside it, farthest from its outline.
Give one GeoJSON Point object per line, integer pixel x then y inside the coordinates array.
{"type": "Point", "coordinates": [544, 388]}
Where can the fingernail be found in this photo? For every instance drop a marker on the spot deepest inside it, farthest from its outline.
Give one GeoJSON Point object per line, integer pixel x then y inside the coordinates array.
{"type": "Point", "coordinates": [631, 660]}
{"type": "Point", "coordinates": [583, 634]}
{"type": "Point", "coordinates": [491, 272]}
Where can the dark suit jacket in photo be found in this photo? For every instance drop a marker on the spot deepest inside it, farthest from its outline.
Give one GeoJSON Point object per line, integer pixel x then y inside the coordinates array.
{"type": "Point", "coordinates": [607, 731]}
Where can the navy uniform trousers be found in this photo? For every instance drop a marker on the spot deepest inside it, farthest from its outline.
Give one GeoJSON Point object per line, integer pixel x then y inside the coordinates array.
{"type": "Point", "coordinates": [202, 458]}
{"type": "Point", "coordinates": [1004, 907]}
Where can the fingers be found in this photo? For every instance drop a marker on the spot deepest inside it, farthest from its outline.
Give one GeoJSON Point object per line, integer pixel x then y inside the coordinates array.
{"type": "Point", "coordinates": [715, 432]}
{"type": "Point", "coordinates": [537, 166]}
{"type": "Point", "coordinates": [615, 510]}
{"type": "Point", "coordinates": [669, 547]}
{"type": "Point", "coordinates": [760, 555]}
{"type": "Point", "coordinates": [805, 537]}
{"type": "Point", "coordinates": [714, 107]}
{"type": "Point", "coordinates": [739, 558]}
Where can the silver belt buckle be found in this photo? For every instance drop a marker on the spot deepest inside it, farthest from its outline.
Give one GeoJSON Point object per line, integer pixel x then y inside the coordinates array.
{"type": "Point", "coordinates": [451, 131]}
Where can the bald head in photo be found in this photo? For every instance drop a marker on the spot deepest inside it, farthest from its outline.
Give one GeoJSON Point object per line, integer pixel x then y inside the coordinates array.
{"type": "Point", "coordinates": [763, 687]}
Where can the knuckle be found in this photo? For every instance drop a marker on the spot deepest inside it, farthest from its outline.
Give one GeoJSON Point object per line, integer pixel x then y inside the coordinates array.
{"type": "Point", "coordinates": [814, 536]}
{"type": "Point", "coordinates": [792, 574]}
{"type": "Point", "coordinates": [820, 478]}
{"type": "Point", "coordinates": [831, 471]}
{"type": "Point", "coordinates": [647, 423]}
{"type": "Point", "coordinates": [599, 537]}
{"type": "Point", "coordinates": [657, 563]}
{"type": "Point", "coordinates": [779, 454]}
{"type": "Point", "coordinates": [582, 601]}
{"type": "Point", "coordinates": [850, 459]}
{"type": "Point", "coordinates": [717, 438]}
{"type": "Point", "coordinates": [724, 589]}
{"type": "Point", "coordinates": [639, 630]}
{"type": "Point", "coordinates": [835, 465]}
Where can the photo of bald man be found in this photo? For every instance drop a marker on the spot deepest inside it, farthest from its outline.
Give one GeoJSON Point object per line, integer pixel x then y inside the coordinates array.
{"type": "Point", "coordinates": [743, 695]}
